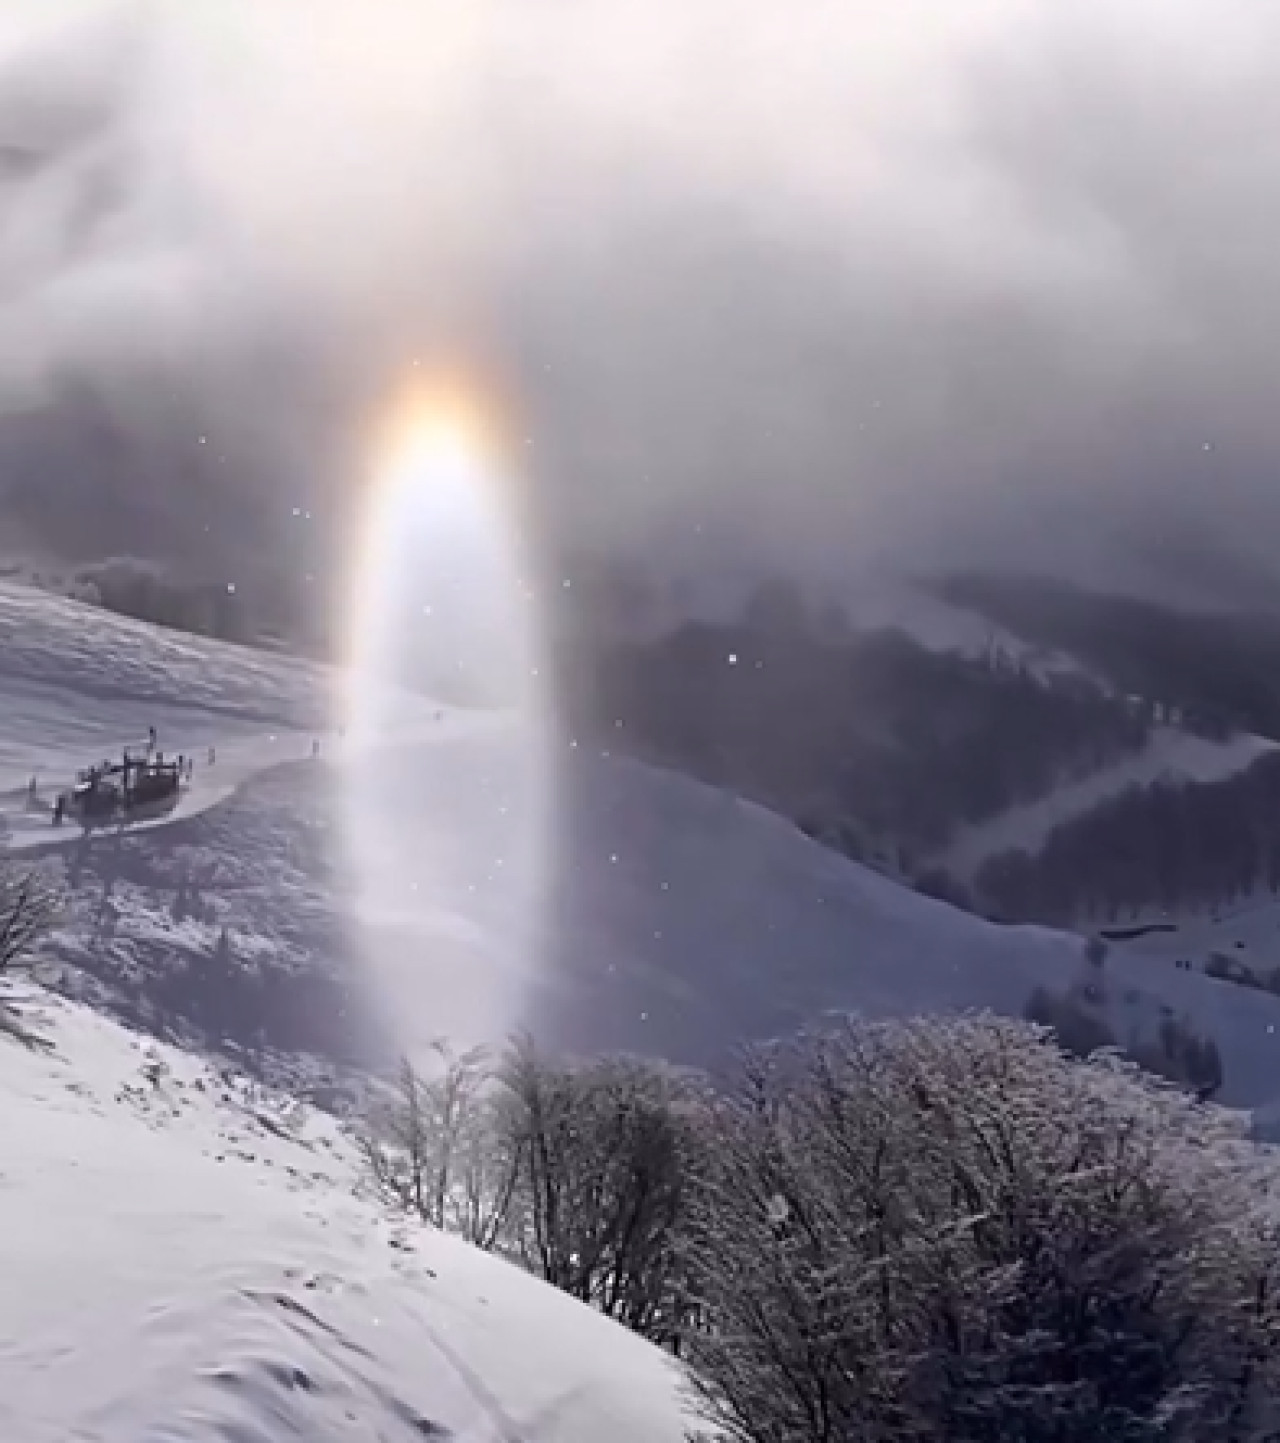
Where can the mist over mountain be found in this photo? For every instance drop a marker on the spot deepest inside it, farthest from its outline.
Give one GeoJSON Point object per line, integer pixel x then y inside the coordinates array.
{"type": "Point", "coordinates": [920, 289]}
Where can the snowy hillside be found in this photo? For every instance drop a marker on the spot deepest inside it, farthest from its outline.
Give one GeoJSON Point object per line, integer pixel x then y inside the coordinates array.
{"type": "Point", "coordinates": [647, 912]}
{"type": "Point", "coordinates": [106, 658]}
{"type": "Point", "coordinates": [188, 1259]}
{"type": "Point", "coordinates": [941, 625]}
{"type": "Point", "coordinates": [720, 921]}
{"type": "Point", "coordinates": [1170, 755]}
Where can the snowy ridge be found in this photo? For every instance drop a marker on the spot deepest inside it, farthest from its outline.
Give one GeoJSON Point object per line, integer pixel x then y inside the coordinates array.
{"type": "Point", "coordinates": [189, 1258]}
{"type": "Point", "coordinates": [1170, 755]}
{"type": "Point", "coordinates": [61, 642]}
{"type": "Point", "coordinates": [940, 625]}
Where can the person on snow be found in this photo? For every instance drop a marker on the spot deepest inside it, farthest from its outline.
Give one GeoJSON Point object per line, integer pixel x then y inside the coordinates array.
{"type": "Point", "coordinates": [213, 755]}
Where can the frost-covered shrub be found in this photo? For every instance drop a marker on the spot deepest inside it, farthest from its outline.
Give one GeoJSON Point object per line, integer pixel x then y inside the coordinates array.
{"type": "Point", "coordinates": [603, 1151]}
{"type": "Point", "coordinates": [437, 1147]}
{"type": "Point", "coordinates": [949, 1230]}
{"type": "Point", "coordinates": [576, 1170]}
{"type": "Point", "coordinates": [29, 905]}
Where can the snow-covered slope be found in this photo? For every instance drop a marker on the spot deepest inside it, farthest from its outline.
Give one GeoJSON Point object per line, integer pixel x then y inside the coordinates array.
{"type": "Point", "coordinates": [668, 917]}
{"type": "Point", "coordinates": [188, 1260]}
{"type": "Point", "coordinates": [720, 920]}
{"type": "Point", "coordinates": [106, 657]}
{"type": "Point", "coordinates": [1170, 755]}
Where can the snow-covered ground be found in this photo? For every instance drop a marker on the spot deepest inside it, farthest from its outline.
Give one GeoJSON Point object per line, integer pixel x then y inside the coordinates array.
{"type": "Point", "coordinates": [1170, 755]}
{"type": "Point", "coordinates": [720, 920]}
{"type": "Point", "coordinates": [106, 656]}
{"type": "Point", "coordinates": [645, 912]}
{"type": "Point", "coordinates": [187, 1259]}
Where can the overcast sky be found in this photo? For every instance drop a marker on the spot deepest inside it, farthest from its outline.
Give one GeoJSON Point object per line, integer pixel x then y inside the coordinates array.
{"type": "Point", "coordinates": [821, 282]}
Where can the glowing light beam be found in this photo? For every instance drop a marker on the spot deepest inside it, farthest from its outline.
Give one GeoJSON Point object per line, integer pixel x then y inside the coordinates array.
{"type": "Point", "coordinates": [445, 772]}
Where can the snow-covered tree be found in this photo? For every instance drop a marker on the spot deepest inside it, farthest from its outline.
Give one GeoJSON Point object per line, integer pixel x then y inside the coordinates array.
{"type": "Point", "coordinates": [602, 1150]}
{"type": "Point", "coordinates": [948, 1230]}
{"type": "Point", "coordinates": [438, 1148]}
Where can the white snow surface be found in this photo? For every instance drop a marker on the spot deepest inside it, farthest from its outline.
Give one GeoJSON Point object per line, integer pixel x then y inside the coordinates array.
{"type": "Point", "coordinates": [671, 918]}
{"type": "Point", "coordinates": [189, 1259]}
{"type": "Point", "coordinates": [192, 1260]}
{"type": "Point", "coordinates": [46, 638]}
{"type": "Point", "coordinates": [1170, 755]}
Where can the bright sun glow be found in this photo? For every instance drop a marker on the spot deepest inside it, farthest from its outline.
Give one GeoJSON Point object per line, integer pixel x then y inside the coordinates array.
{"type": "Point", "coordinates": [442, 445]}
{"type": "Point", "coordinates": [439, 423]}
{"type": "Point", "coordinates": [446, 771]}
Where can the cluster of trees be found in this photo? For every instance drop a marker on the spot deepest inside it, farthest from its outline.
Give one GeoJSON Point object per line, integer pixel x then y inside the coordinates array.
{"type": "Point", "coordinates": [1155, 848]}
{"type": "Point", "coordinates": [928, 1230]}
{"type": "Point", "coordinates": [868, 739]}
{"type": "Point", "coordinates": [149, 593]}
{"type": "Point", "coordinates": [577, 1171]}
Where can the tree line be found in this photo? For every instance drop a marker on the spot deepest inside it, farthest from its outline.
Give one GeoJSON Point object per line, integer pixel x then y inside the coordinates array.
{"type": "Point", "coordinates": [872, 742]}
{"type": "Point", "coordinates": [1160, 847]}
{"type": "Point", "coordinates": [942, 1229]}
{"type": "Point", "coordinates": [1220, 671]}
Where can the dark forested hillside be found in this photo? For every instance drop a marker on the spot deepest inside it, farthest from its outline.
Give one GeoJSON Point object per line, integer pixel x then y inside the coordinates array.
{"type": "Point", "coordinates": [1220, 671]}
{"type": "Point", "coordinates": [869, 740]}
{"type": "Point", "coordinates": [1148, 849]}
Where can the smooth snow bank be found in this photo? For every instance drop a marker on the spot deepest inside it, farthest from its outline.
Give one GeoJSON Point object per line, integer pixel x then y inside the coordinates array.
{"type": "Point", "coordinates": [187, 1259]}
{"type": "Point", "coordinates": [1170, 755]}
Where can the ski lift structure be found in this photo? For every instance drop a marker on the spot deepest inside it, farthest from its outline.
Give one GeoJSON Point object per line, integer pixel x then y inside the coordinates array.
{"type": "Point", "coordinates": [136, 788]}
